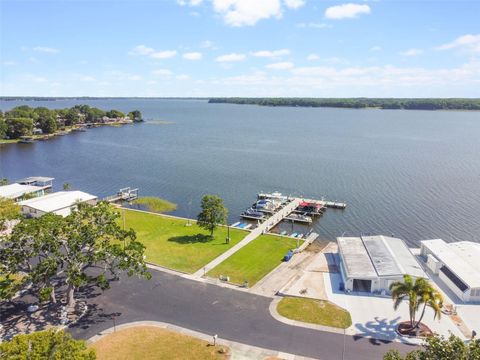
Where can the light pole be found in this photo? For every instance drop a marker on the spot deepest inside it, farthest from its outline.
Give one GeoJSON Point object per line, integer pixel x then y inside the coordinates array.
{"type": "Point", "coordinates": [227, 240]}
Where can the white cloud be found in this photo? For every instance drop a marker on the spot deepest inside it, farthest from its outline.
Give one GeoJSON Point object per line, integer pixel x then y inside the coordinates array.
{"type": "Point", "coordinates": [280, 66]}
{"type": "Point", "coordinates": [314, 25]}
{"type": "Point", "coordinates": [411, 52]}
{"type": "Point", "coordinates": [329, 60]}
{"type": "Point", "coordinates": [271, 53]}
{"type": "Point", "coordinates": [247, 12]}
{"type": "Point", "coordinates": [467, 42]}
{"type": "Point", "coordinates": [165, 54]}
{"type": "Point", "coordinates": [141, 50]}
{"type": "Point", "coordinates": [162, 72]}
{"type": "Point", "coordinates": [346, 11]}
{"type": "Point", "coordinates": [8, 63]}
{"type": "Point", "coordinates": [182, 77]}
{"type": "Point", "coordinates": [193, 56]}
{"type": "Point", "coordinates": [376, 48]}
{"type": "Point", "coordinates": [86, 78]}
{"type": "Point", "coordinates": [134, 77]}
{"type": "Point", "coordinates": [207, 44]}
{"type": "Point", "coordinates": [294, 4]}
{"type": "Point", "coordinates": [45, 49]}
{"type": "Point", "coordinates": [230, 57]}
{"type": "Point", "coordinates": [189, 2]}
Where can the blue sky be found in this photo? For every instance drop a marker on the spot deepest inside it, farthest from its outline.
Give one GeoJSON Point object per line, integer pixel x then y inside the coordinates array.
{"type": "Point", "coordinates": [240, 48]}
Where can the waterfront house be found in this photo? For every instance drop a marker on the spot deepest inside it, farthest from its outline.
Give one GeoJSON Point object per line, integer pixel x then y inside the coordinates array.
{"type": "Point", "coordinates": [18, 192]}
{"type": "Point", "coordinates": [60, 203]}
{"type": "Point", "coordinates": [456, 264]}
{"type": "Point", "coordinates": [372, 263]}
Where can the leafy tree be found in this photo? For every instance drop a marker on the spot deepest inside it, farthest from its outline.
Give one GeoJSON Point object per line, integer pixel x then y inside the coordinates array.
{"type": "Point", "coordinates": [9, 210]}
{"type": "Point", "coordinates": [47, 123]}
{"type": "Point", "coordinates": [66, 186]}
{"type": "Point", "coordinates": [23, 111]}
{"type": "Point", "coordinates": [115, 114]}
{"type": "Point", "coordinates": [94, 114]}
{"type": "Point", "coordinates": [3, 128]}
{"type": "Point", "coordinates": [135, 115]}
{"type": "Point", "coordinates": [72, 117]}
{"type": "Point", "coordinates": [69, 248]}
{"type": "Point", "coordinates": [17, 127]}
{"type": "Point", "coordinates": [213, 213]}
{"type": "Point", "coordinates": [418, 293]}
{"type": "Point", "coordinates": [48, 344]}
{"type": "Point", "coordinates": [440, 348]}
{"type": "Point", "coordinates": [3, 181]}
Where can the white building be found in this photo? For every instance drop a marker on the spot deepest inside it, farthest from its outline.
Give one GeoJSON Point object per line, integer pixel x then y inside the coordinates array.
{"type": "Point", "coordinates": [60, 203]}
{"type": "Point", "coordinates": [18, 191]}
{"type": "Point", "coordinates": [457, 264]}
{"type": "Point", "coordinates": [372, 263]}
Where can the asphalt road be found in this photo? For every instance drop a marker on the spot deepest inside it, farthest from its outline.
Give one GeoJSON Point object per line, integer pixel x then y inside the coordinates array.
{"type": "Point", "coordinates": [233, 315]}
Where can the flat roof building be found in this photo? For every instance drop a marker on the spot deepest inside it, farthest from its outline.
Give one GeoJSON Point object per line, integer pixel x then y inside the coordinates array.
{"type": "Point", "coordinates": [372, 263]}
{"type": "Point", "coordinates": [457, 264]}
{"type": "Point", "coordinates": [60, 203]}
{"type": "Point", "coordinates": [18, 191]}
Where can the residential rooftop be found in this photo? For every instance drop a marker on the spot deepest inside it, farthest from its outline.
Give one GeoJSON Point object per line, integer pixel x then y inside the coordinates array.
{"type": "Point", "coordinates": [15, 191]}
{"type": "Point", "coordinates": [378, 256]}
{"type": "Point", "coordinates": [57, 201]}
{"type": "Point", "coordinates": [463, 258]}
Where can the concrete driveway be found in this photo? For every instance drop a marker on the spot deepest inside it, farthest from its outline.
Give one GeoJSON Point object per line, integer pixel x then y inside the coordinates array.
{"type": "Point", "coordinates": [374, 315]}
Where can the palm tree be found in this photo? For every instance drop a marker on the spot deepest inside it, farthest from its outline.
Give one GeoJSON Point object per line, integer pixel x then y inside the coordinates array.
{"type": "Point", "coordinates": [418, 292]}
{"type": "Point", "coordinates": [434, 299]}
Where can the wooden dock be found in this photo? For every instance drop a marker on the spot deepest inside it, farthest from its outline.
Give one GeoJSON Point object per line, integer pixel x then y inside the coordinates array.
{"type": "Point", "coordinates": [328, 204]}
{"type": "Point", "coordinates": [125, 194]}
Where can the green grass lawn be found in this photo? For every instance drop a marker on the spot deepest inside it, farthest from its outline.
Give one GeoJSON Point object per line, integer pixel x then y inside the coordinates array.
{"type": "Point", "coordinates": [314, 311]}
{"type": "Point", "coordinates": [149, 343]}
{"type": "Point", "coordinates": [255, 260]}
{"type": "Point", "coordinates": [171, 244]}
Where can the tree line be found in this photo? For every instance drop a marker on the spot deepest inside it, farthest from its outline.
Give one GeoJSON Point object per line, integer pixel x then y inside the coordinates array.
{"type": "Point", "coordinates": [22, 120]}
{"type": "Point", "coordinates": [361, 103]}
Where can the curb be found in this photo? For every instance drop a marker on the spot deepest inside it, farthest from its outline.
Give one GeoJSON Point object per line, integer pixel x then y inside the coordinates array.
{"type": "Point", "coordinates": [245, 351]}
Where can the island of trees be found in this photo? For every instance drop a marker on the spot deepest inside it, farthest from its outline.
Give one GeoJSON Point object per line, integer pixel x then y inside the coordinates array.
{"type": "Point", "coordinates": [361, 103]}
{"type": "Point", "coordinates": [24, 121]}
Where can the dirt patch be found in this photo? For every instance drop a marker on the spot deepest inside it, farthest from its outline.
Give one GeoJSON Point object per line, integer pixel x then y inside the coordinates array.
{"type": "Point", "coordinates": [405, 329]}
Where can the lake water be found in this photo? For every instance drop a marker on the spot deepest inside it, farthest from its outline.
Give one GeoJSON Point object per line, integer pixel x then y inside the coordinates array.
{"type": "Point", "coordinates": [414, 174]}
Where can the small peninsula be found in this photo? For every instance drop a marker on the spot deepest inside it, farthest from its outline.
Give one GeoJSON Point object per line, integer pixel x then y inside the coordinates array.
{"type": "Point", "coordinates": [26, 124]}
{"type": "Point", "coordinates": [360, 103]}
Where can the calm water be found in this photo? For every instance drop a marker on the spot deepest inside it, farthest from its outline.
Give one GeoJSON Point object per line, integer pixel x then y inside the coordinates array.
{"type": "Point", "coordinates": [414, 174]}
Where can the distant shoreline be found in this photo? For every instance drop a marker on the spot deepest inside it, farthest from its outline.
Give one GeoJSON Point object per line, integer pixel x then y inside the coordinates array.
{"type": "Point", "coordinates": [462, 104]}
{"type": "Point", "coordinates": [443, 104]}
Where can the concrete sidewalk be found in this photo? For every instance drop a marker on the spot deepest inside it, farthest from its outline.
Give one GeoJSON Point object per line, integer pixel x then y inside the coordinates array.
{"type": "Point", "coordinates": [262, 228]}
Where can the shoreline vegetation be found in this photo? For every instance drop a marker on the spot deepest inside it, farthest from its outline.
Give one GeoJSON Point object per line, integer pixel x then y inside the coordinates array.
{"type": "Point", "coordinates": [468, 104]}
{"type": "Point", "coordinates": [27, 124]}
{"type": "Point", "coordinates": [154, 204]}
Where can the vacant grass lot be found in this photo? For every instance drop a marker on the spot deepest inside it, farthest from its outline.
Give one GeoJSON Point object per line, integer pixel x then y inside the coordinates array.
{"type": "Point", "coordinates": [314, 311]}
{"type": "Point", "coordinates": [171, 244]}
{"type": "Point", "coordinates": [149, 343]}
{"type": "Point", "coordinates": [255, 260]}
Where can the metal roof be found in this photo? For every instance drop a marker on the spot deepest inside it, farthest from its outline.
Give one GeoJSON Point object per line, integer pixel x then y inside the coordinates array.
{"type": "Point", "coordinates": [462, 258]}
{"type": "Point", "coordinates": [33, 179]}
{"type": "Point", "coordinates": [378, 256]}
{"type": "Point", "coordinates": [57, 201]}
{"type": "Point", "coordinates": [14, 191]}
{"type": "Point", "coordinates": [356, 260]}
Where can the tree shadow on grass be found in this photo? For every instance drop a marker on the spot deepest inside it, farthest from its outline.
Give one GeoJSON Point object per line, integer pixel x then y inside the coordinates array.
{"type": "Point", "coordinates": [191, 239]}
